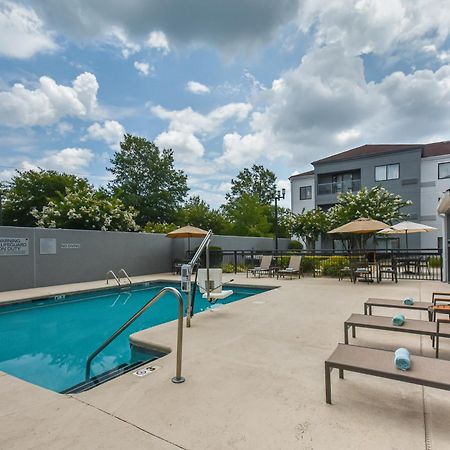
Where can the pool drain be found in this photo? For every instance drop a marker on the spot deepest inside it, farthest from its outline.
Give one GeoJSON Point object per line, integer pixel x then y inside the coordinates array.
{"type": "Point", "coordinates": [146, 371]}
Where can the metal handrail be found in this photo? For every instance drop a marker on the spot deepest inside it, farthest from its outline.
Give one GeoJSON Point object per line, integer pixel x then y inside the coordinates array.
{"type": "Point", "coordinates": [110, 272]}
{"type": "Point", "coordinates": [177, 378]}
{"type": "Point", "coordinates": [205, 241]}
{"type": "Point", "coordinates": [204, 244]}
{"type": "Point", "coordinates": [126, 275]}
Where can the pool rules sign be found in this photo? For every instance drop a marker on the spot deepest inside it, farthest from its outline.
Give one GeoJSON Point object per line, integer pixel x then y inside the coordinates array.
{"type": "Point", "coordinates": [10, 246]}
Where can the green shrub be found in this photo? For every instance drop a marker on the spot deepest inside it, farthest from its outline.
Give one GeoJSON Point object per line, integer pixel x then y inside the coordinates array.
{"type": "Point", "coordinates": [295, 245]}
{"type": "Point", "coordinates": [331, 267]}
{"type": "Point", "coordinates": [228, 268]}
{"type": "Point", "coordinates": [434, 262]}
{"type": "Point", "coordinates": [282, 262]}
{"type": "Point", "coordinates": [309, 263]}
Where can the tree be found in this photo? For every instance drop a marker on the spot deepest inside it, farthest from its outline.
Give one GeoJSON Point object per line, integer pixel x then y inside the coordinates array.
{"type": "Point", "coordinates": [197, 212]}
{"type": "Point", "coordinates": [248, 216]}
{"type": "Point", "coordinates": [145, 179]}
{"type": "Point", "coordinates": [34, 189]}
{"type": "Point", "coordinates": [283, 214]}
{"type": "Point", "coordinates": [257, 181]}
{"type": "Point", "coordinates": [309, 226]}
{"type": "Point", "coordinates": [160, 227]}
{"type": "Point", "coordinates": [83, 208]}
{"type": "Point", "coordinates": [376, 203]}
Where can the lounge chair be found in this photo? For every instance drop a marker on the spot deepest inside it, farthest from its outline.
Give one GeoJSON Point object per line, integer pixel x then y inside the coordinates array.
{"type": "Point", "coordinates": [425, 371]}
{"type": "Point", "coordinates": [412, 326]}
{"type": "Point", "coordinates": [294, 267]}
{"type": "Point", "coordinates": [265, 268]}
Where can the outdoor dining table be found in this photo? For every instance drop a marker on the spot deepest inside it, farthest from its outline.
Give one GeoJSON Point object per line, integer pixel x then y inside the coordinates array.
{"type": "Point", "coordinates": [412, 265]}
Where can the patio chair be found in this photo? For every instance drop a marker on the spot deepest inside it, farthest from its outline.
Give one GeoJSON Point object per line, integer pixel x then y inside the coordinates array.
{"type": "Point", "coordinates": [389, 269]}
{"type": "Point", "coordinates": [348, 271]}
{"type": "Point", "coordinates": [265, 268]}
{"type": "Point", "coordinates": [294, 267]}
{"type": "Point", "coordinates": [362, 271]}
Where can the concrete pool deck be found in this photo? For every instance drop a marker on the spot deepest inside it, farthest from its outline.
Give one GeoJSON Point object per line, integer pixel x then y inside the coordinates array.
{"type": "Point", "coordinates": [254, 380]}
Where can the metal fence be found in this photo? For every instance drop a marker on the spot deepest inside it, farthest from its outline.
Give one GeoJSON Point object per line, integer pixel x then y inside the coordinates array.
{"type": "Point", "coordinates": [383, 264]}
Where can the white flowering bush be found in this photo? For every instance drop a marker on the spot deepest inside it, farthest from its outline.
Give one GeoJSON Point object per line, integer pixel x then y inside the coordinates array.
{"type": "Point", "coordinates": [376, 203]}
{"type": "Point", "coordinates": [83, 208]}
{"type": "Point", "coordinates": [308, 226]}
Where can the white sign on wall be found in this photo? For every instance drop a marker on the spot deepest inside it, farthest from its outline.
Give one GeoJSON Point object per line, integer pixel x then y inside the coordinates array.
{"type": "Point", "coordinates": [47, 246]}
{"type": "Point", "coordinates": [10, 246]}
{"type": "Point", "coordinates": [70, 245]}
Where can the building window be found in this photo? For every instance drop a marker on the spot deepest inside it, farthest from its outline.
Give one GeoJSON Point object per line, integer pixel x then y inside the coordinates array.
{"type": "Point", "coordinates": [306, 193]}
{"type": "Point", "coordinates": [444, 170]}
{"type": "Point", "coordinates": [387, 172]}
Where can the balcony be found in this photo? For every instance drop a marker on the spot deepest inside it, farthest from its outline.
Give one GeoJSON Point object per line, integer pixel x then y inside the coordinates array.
{"type": "Point", "coordinates": [338, 187]}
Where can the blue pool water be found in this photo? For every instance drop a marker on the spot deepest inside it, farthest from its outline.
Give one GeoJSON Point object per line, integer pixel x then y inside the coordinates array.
{"type": "Point", "coordinates": [47, 342]}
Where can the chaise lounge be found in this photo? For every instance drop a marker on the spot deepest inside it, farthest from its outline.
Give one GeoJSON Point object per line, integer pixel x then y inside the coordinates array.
{"type": "Point", "coordinates": [294, 267]}
{"type": "Point", "coordinates": [421, 327]}
{"type": "Point", "coordinates": [424, 371]}
{"type": "Point", "coordinates": [265, 268]}
{"type": "Point", "coordinates": [397, 304]}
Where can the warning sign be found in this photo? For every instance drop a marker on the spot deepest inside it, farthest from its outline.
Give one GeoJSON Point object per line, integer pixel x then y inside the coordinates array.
{"type": "Point", "coordinates": [10, 246]}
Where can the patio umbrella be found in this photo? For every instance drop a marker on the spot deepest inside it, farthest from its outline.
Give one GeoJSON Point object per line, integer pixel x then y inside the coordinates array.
{"type": "Point", "coordinates": [363, 225]}
{"type": "Point", "coordinates": [407, 228]}
{"type": "Point", "coordinates": [187, 232]}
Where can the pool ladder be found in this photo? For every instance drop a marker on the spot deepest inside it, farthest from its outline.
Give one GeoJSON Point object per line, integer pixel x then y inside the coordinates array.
{"type": "Point", "coordinates": [117, 278]}
{"type": "Point", "coordinates": [177, 378]}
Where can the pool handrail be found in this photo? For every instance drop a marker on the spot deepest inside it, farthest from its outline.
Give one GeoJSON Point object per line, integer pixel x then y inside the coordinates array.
{"type": "Point", "coordinates": [110, 272]}
{"type": "Point", "coordinates": [177, 378]}
{"type": "Point", "coordinates": [125, 275]}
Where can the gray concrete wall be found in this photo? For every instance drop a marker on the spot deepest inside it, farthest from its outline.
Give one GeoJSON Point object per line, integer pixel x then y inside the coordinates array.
{"type": "Point", "coordinates": [87, 255]}
{"type": "Point", "coordinates": [231, 243]}
{"type": "Point", "coordinates": [82, 256]}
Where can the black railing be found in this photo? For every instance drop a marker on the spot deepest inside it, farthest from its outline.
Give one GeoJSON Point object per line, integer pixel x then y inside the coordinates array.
{"type": "Point", "coordinates": [408, 264]}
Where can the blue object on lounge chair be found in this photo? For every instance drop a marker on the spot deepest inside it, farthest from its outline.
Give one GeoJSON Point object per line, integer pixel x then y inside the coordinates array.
{"type": "Point", "coordinates": [402, 359]}
{"type": "Point", "coordinates": [398, 320]}
{"type": "Point", "coordinates": [408, 301]}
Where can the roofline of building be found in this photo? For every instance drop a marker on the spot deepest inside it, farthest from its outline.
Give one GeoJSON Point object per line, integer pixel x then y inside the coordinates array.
{"type": "Point", "coordinates": [310, 173]}
{"type": "Point", "coordinates": [389, 152]}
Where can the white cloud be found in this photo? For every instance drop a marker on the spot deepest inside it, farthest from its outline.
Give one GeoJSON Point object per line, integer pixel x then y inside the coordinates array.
{"type": "Point", "coordinates": [182, 142]}
{"type": "Point", "coordinates": [22, 32]}
{"type": "Point", "coordinates": [143, 68]}
{"type": "Point", "coordinates": [197, 88]}
{"type": "Point", "coordinates": [72, 160]}
{"type": "Point", "coordinates": [121, 40]}
{"type": "Point", "coordinates": [49, 102]}
{"type": "Point", "coordinates": [187, 129]}
{"type": "Point", "coordinates": [326, 105]}
{"type": "Point", "coordinates": [64, 127]}
{"type": "Point", "coordinates": [159, 41]}
{"type": "Point", "coordinates": [364, 26]}
{"type": "Point", "coordinates": [111, 132]}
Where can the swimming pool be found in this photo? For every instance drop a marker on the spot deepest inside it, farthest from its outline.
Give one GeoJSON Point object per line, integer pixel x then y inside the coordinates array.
{"type": "Point", "coordinates": [47, 341]}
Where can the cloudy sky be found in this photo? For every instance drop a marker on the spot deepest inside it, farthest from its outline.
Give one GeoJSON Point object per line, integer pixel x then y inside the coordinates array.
{"type": "Point", "coordinates": [224, 83]}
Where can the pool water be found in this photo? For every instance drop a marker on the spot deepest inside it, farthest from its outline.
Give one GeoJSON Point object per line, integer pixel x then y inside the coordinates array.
{"type": "Point", "coordinates": [47, 342]}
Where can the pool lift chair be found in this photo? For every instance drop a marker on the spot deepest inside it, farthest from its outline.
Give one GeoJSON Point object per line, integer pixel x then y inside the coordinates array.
{"type": "Point", "coordinates": [207, 281]}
